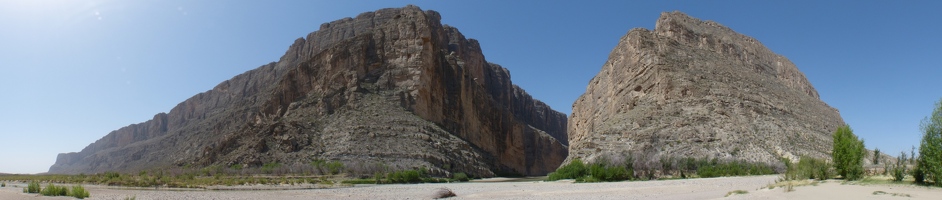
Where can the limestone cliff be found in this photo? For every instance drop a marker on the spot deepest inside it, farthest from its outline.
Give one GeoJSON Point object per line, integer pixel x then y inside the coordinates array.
{"type": "Point", "coordinates": [392, 87]}
{"type": "Point", "coordinates": [693, 88]}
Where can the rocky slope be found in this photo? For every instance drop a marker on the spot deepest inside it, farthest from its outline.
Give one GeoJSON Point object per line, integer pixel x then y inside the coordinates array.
{"type": "Point", "coordinates": [693, 88]}
{"type": "Point", "coordinates": [392, 88]}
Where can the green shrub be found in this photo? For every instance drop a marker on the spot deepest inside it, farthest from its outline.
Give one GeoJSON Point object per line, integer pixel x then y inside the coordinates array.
{"type": "Point", "coordinates": [603, 172]}
{"type": "Point", "coordinates": [358, 181]}
{"type": "Point", "coordinates": [411, 176]}
{"type": "Point", "coordinates": [319, 165]}
{"type": "Point", "coordinates": [900, 171]}
{"type": "Point", "coordinates": [268, 168]}
{"type": "Point", "coordinates": [848, 154]}
{"type": "Point", "coordinates": [335, 167]}
{"type": "Point", "coordinates": [823, 171]}
{"type": "Point", "coordinates": [405, 176]}
{"type": "Point", "coordinates": [808, 168]}
{"type": "Point", "coordinates": [79, 192]}
{"type": "Point", "coordinates": [53, 190]}
{"type": "Point", "coordinates": [460, 177]}
{"type": "Point", "coordinates": [112, 175]}
{"type": "Point", "coordinates": [575, 169]}
{"type": "Point", "coordinates": [596, 172]}
{"type": "Point", "coordinates": [4, 184]}
{"type": "Point", "coordinates": [732, 168]}
{"type": "Point", "coordinates": [929, 164]}
{"type": "Point", "coordinates": [32, 187]}
{"type": "Point", "coordinates": [898, 174]}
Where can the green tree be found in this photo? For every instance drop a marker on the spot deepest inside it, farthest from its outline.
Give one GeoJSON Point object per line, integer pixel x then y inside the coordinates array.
{"type": "Point", "coordinates": [848, 153]}
{"type": "Point", "coordinates": [929, 165]}
{"type": "Point", "coordinates": [876, 156]}
{"type": "Point", "coordinates": [900, 171]}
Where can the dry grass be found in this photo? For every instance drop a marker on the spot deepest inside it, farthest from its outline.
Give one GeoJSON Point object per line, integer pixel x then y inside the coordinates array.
{"type": "Point", "coordinates": [735, 192]}
{"type": "Point", "coordinates": [789, 185]}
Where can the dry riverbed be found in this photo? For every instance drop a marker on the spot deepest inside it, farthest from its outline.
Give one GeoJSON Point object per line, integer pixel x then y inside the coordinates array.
{"type": "Point", "coordinates": [706, 188]}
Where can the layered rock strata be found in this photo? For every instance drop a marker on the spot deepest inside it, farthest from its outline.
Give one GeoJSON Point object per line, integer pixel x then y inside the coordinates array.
{"type": "Point", "coordinates": [692, 88]}
{"type": "Point", "coordinates": [393, 87]}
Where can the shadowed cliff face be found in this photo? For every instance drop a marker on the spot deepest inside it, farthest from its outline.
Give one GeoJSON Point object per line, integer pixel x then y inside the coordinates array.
{"type": "Point", "coordinates": [693, 88]}
{"type": "Point", "coordinates": [392, 87]}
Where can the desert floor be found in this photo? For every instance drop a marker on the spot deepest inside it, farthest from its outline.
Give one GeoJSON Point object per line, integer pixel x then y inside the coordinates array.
{"type": "Point", "coordinates": [706, 188]}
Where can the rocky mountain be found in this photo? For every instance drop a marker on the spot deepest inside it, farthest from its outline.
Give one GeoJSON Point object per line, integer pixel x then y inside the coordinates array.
{"type": "Point", "coordinates": [697, 89]}
{"type": "Point", "coordinates": [392, 88]}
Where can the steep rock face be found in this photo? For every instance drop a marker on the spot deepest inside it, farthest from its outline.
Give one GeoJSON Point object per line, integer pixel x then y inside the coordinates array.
{"type": "Point", "coordinates": [693, 88]}
{"type": "Point", "coordinates": [392, 87]}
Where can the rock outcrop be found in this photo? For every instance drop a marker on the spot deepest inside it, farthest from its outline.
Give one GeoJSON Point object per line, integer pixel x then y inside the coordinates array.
{"type": "Point", "coordinates": [697, 89]}
{"type": "Point", "coordinates": [392, 87]}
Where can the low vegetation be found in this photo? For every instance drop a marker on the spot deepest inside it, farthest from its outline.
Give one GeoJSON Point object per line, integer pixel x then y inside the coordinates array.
{"type": "Point", "coordinates": [79, 192]}
{"type": "Point", "coordinates": [899, 172]}
{"type": "Point", "coordinates": [808, 168]}
{"type": "Point", "coordinates": [808, 171]}
{"type": "Point", "coordinates": [606, 171]}
{"type": "Point", "coordinates": [318, 172]}
{"type": "Point", "coordinates": [32, 187]}
{"type": "Point", "coordinates": [461, 177]}
{"type": "Point", "coordinates": [595, 172]}
{"type": "Point", "coordinates": [53, 190]}
{"type": "Point", "coordinates": [420, 175]}
{"type": "Point", "coordinates": [735, 192]}
{"type": "Point", "coordinates": [268, 168]}
{"type": "Point", "coordinates": [405, 176]}
{"type": "Point", "coordinates": [732, 168]}
{"type": "Point", "coordinates": [574, 170]}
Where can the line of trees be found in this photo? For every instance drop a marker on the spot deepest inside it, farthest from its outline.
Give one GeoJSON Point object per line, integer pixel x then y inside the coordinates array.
{"type": "Point", "coordinates": [848, 152]}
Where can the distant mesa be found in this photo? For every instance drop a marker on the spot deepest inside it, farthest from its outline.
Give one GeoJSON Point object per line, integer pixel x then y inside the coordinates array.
{"type": "Point", "coordinates": [697, 89]}
{"type": "Point", "coordinates": [391, 88]}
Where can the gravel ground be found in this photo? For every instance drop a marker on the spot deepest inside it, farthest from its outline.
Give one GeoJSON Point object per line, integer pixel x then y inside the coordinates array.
{"type": "Point", "coordinates": [707, 188]}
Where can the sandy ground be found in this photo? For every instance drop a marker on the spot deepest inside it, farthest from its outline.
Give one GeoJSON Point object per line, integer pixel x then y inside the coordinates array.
{"type": "Point", "coordinates": [835, 189]}
{"type": "Point", "coordinates": [708, 188]}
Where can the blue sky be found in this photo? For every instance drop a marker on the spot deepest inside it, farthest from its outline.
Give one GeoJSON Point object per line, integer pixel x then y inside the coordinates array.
{"type": "Point", "coordinates": [72, 71]}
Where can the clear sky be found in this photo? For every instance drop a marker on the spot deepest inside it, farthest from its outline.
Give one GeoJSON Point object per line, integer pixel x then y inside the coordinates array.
{"type": "Point", "coordinates": [72, 71]}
